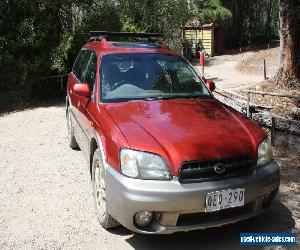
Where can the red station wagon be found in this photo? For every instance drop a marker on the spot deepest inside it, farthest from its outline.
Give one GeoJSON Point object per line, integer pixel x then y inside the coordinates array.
{"type": "Point", "coordinates": [163, 153]}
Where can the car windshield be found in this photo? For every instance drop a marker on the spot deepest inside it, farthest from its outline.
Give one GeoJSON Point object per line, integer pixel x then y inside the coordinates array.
{"type": "Point", "coordinates": [148, 76]}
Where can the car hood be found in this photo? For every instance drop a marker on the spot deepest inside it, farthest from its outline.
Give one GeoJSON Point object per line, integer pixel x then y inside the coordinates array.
{"type": "Point", "coordinates": [186, 129]}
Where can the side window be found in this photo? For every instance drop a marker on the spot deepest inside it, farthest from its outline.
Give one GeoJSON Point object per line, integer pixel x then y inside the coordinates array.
{"type": "Point", "coordinates": [83, 66]}
{"type": "Point", "coordinates": [78, 62]}
{"type": "Point", "coordinates": [90, 77]}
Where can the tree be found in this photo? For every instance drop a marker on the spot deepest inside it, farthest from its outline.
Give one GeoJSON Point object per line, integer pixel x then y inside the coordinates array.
{"type": "Point", "coordinates": [29, 31]}
{"type": "Point", "coordinates": [288, 72]}
{"type": "Point", "coordinates": [252, 22]}
{"type": "Point", "coordinates": [41, 38]}
{"type": "Point", "coordinates": [164, 16]}
{"type": "Point", "coordinates": [212, 10]}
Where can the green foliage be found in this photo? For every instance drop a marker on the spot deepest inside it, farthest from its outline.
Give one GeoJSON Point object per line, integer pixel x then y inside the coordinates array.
{"type": "Point", "coordinates": [100, 15]}
{"type": "Point", "coordinates": [129, 26]}
{"type": "Point", "coordinates": [165, 16]}
{"type": "Point", "coordinates": [252, 21]}
{"type": "Point", "coordinates": [60, 55]}
{"type": "Point", "coordinates": [214, 11]}
{"type": "Point", "coordinates": [39, 38]}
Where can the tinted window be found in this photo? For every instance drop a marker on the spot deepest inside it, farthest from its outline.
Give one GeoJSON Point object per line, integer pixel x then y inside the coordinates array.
{"type": "Point", "coordinates": [90, 76]}
{"type": "Point", "coordinates": [78, 62]}
{"type": "Point", "coordinates": [83, 66]}
{"type": "Point", "coordinates": [144, 76]}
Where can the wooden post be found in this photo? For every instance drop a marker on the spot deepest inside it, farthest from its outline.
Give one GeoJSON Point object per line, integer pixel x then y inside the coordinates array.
{"type": "Point", "coordinates": [265, 70]}
{"type": "Point", "coordinates": [248, 104]}
{"type": "Point", "coordinates": [61, 82]}
{"type": "Point", "coordinates": [273, 131]}
{"type": "Point", "coordinates": [241, 53]}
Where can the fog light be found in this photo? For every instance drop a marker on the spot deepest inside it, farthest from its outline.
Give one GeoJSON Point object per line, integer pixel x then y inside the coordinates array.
{"type": "Point", "coordinates": [143, 218]}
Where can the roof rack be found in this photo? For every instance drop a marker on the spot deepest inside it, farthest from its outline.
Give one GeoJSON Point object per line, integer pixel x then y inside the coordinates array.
{"type": "Point", "coordinates": [99, 35]}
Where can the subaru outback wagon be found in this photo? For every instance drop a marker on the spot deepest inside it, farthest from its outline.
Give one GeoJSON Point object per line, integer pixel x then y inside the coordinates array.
{"type": "Point", "coordinates": [164, 155]}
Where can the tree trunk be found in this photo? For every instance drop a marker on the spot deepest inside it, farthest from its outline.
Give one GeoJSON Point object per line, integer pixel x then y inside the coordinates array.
{"type": "Point", "coordinates": [287, 72]}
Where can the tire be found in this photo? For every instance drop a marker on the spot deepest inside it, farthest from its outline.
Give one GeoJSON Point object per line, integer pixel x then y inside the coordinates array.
{"type": "Point", "coordinates": [71, 138]}
{"type": "Point", "coordinates": [99, 193]}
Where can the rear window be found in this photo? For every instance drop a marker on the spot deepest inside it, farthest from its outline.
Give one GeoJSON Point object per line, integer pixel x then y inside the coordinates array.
{"type": "Point", "coordinates": [145, 76]}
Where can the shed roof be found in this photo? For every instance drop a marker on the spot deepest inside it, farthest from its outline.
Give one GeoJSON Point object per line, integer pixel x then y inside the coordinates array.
{"type": "Point", "coordinates": [195, 23]}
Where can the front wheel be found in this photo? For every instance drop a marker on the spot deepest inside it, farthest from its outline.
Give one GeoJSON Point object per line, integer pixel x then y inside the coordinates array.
{"type": "Point", "coordinates": [99, 193]}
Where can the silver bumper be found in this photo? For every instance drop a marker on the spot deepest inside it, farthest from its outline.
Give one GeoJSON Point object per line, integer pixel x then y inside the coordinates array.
{"type": "Point", "coordinates": [181, 207]}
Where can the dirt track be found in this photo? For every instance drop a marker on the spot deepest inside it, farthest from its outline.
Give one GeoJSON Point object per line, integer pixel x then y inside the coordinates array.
{"type": "Point", "coordinates": [224, 70]}
{"type": "Point", "coordinates": [46, 201]}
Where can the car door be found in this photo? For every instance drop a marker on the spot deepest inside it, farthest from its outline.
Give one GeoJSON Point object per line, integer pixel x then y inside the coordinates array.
{"type": "Point", "coordinates": [79, 103]}
{"type": "Point", "coordinates": [90, 107]}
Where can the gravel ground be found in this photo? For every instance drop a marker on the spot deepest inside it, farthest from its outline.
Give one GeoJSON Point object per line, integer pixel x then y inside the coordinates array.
{"type": "Point", "coordinates": [254, 63]}
{"type": "Point", "coordinates": [240, 71]}
{"type": "Point", "coordinates": [46, 196]}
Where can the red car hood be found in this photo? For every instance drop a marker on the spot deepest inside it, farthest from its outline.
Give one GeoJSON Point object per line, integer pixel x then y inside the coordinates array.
{"type": "Point", "coordinates": [186, 129]}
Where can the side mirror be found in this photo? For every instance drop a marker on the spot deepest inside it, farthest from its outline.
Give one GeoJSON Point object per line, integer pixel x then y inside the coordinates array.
{"type": "Point", "coordinates": [82, 90]}
{"type": "Point", "coordinates": [210, 85]}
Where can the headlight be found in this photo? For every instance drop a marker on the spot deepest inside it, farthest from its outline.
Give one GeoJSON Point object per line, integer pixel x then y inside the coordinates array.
{"type": "Point", "coordinates": [264, 153]}
{"type": "Point", "coordinates": [143, 165]}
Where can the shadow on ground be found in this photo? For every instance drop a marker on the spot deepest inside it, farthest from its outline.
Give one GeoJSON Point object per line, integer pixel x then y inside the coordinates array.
{"type": "Point", "coordinates": [18, 108]}
{"type": "Point", "coordinates": [277, 219]}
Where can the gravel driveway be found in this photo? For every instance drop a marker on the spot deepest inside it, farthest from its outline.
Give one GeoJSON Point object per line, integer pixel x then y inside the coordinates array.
{"type": "Point", "coordinates": [223, 70]}
{"type": "Point", "coordinates": [46, 196]}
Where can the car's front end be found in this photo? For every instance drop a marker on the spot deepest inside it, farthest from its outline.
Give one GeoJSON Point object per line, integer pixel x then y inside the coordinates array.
{"type": "Point", "coordinates": [183, 203]}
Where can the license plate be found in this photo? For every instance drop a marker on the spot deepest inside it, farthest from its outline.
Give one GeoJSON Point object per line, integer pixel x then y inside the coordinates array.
{"type": "Point", "coordinates": [225, 199]}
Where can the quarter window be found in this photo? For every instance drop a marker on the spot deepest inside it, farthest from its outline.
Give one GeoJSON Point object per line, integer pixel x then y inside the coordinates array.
{"type": "Point", "coordinates": [83, 66]}
{"type": "Point", "coordinates": [90, 77]}
{"type": "Point", "coordinates": [78, 62]}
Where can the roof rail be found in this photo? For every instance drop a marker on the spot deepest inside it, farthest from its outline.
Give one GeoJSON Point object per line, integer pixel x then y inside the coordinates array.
{"type": "Point", "coordinates": [99, 35]}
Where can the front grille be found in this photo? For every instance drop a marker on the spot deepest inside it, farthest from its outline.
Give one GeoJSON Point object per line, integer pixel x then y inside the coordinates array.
{"type": "Point", "coordinates": [209, 170]}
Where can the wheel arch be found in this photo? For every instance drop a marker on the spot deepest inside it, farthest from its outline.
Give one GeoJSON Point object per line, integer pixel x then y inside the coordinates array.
{"type": "Point", "coordinates": [96, 142]}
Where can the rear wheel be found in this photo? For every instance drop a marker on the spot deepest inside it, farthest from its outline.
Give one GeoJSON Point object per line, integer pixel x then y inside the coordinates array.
{"type": "Point", "coordinates": [99, 192]}
{"type": "Point", "coordinates": [71, 138]}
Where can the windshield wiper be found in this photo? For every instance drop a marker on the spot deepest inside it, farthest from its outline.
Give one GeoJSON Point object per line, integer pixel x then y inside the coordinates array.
{"type": "Point", "coordinates": [174, 97]}
{"type": "Point", "coordinates": [160, 98]}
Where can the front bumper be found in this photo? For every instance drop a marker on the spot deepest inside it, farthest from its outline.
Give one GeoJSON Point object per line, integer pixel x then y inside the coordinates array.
{"type": "Point", "coordinates": [181, 207]}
